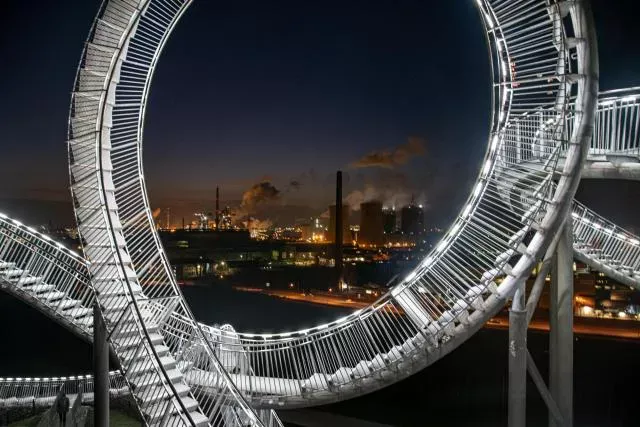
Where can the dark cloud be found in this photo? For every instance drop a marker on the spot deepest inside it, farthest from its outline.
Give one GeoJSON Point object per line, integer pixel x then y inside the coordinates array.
{"type": "Point", "coordinates": [414, 147]}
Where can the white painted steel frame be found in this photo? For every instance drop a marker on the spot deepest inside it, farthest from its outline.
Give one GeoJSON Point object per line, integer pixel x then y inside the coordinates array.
{"type": "Point", "coordinates": [105, 123]}
{"type": "Point", "coordinates": [46, 275]}
{"type": "Point", "coordinates": [543, 54]}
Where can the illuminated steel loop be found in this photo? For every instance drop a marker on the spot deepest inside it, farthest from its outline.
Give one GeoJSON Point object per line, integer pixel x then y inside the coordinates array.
{"type": "Point", "coordinates": [544, 61]}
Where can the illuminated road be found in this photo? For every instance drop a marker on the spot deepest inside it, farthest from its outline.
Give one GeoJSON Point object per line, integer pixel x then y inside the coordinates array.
{"type": "Point", "coordinates": [320, 299]}
{"type": "Point", "coordinates": [625, 329]}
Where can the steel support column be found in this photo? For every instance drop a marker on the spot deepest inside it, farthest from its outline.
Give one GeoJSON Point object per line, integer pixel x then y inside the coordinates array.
{"type": "Point", "coordinates": [518, 360]}
{"type": "Point", "coordinates": [561, 328]}
{"type": "Point", "coordinates": [100, 370]}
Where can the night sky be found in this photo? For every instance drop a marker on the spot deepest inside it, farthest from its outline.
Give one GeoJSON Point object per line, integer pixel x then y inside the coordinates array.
{"type": "Point", "coordinates": [287, 92]}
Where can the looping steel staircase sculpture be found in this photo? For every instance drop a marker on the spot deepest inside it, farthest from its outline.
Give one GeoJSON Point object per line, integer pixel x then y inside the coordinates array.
{"type": "Point", "coordinates": [545, 88]}
{"type": "Point", "coordinates": [544, 59]}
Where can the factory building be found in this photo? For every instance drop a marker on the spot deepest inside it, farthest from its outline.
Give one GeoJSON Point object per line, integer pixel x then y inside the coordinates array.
{"type": "Point", "coordinates": [412, 219]}
{"type": "Point", "coordinates": [371, 224]}
{"type": "Point", "coordinates": [389, 220]}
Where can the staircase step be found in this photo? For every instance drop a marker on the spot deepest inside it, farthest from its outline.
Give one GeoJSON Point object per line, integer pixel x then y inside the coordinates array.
{"type": "Point", "coordinates": [157, 393]}
{"type": "Point", "coordinates": [129, 343]}
{"type": "Point", "coordinates": [145, 365]}
{"type": "Point", "coordinates": [24, 281]}
{"type": "Point", "coordinates": [127, 355]}
{"type": "Point", "coordinates": [81, 312]}
{"type": "Point", "coordinates": [37, 289]}
{"type": "Point", "coordinates": [153, 378]}
{"type": "Point", "coordinates": [52, 295]}
{"type": "Point", "coordinates": [113, 304]}
{"type": "Point", "coordinates": [199, 419]}
{"type": "Point", "coordinates": [131, 329]}
{"type": "Point", "coordinates": [67, 304]}
{"type": "Point", "coordinates": [11, 272]}
{"type": "Point", "coordinates": [156, 412]}
{"type": "Point", "coordinates": [86, 320]}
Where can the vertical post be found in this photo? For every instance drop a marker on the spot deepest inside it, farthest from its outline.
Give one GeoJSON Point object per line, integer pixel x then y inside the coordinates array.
{"type": "Point", "coordinates": [338, 232]}
{"type": "Point", "coordinates": [100, 370]}
{"type": "Point", "coordinates": [561, 327]}
{"type": "Point", "coordinates": [217, 209]}
{"type": "Point", "coordinates": [517, 398]}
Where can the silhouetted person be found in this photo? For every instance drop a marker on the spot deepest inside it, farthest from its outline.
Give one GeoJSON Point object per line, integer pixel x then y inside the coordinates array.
{"type": "Point", "coordinates": [62, 407]}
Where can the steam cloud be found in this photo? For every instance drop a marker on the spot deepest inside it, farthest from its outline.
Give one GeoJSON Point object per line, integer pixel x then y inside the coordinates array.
{"type": "Point", "coordinates": [259, 193]}
{"type": "Point", "coordinates": [388, 197]}
{"type": "Point", "coordinates": [414, 147]}
{"type": "Point", "coordinates": [257, 224]}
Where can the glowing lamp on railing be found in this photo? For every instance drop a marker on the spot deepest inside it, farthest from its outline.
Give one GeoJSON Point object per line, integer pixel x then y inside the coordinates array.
{"type": "Point", "coordinates": [427, 262]}
{"type": "Point", "coordinates": [467, 211]}
{"type": "Point", "coordinates": [411, 276]}
{"type": "Point", "coordinates": [494, 142]}
{"type": "Point", "coordinates": [477, 190]}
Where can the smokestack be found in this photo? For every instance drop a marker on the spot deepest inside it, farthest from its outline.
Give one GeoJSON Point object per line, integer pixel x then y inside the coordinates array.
{"type": "Point", "coordinates": [183, 223]}
{"type": "Point", "coordinates": [217, 208]}
{"type": "Point", "coordinates": [338, 231]}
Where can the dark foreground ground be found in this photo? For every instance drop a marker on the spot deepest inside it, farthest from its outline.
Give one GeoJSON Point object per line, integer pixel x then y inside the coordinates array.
{"type": "Point", "coordinates": [466, 388]}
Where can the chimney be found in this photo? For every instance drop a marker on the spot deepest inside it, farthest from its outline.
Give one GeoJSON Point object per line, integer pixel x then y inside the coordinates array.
{"type": "Point", "coordinates": [338, 231]}
{"type": "Point", "coordinates": [217, 208]}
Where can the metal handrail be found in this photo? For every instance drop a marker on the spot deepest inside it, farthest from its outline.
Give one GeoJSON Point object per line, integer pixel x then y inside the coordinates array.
{"type": "Point", "coordinates": [41, 391]}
